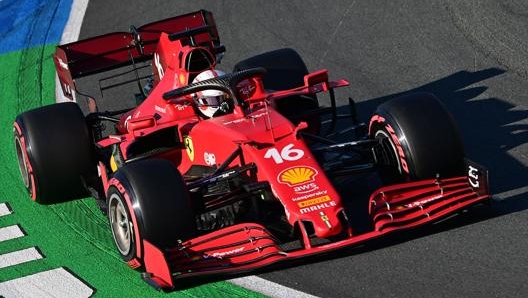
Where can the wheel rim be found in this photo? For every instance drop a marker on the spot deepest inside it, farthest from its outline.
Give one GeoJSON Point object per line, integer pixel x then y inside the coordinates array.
{"type": "Point", "coordinates": [122, 228]}
{"type": "Point", "coordinates": [393, 151]}
{"type": "Point", "coordinates": [22, 162]}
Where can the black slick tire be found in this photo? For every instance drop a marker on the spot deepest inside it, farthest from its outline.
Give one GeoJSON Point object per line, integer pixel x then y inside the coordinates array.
{"type": "Point", "coordinates": [55, 152]}
{"type": "Point", "coordinates": [148, 200]}
{"type": "Point", "coordinates": [419, 137]}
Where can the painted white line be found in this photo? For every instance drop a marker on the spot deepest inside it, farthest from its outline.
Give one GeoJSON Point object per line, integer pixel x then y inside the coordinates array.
{"type": "Point", "coordinates": [268, 288]}
{"type": "Point", "coordinates": [4, 209]}
{"type": "Point", "coordinates": [56, 283]}
{"type": "Point", "coordinates": [19, 257]}
{"type": "Point", "coordinates": [10, 232]}
{"type": "Point", "coordinates": [73, 26]}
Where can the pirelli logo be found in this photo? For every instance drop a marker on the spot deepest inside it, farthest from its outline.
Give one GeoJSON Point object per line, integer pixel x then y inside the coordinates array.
{"type": "Point", "coordinates": [313, 201]}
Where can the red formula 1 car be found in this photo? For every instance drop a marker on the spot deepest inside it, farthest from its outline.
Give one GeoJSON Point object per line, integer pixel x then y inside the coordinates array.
{"type": "Point", "coordinates": [254, 185]}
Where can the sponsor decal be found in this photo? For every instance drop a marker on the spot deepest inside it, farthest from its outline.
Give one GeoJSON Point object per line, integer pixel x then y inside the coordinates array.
{"type": "Point", "coordinates": [127, 120]}
{"type": "Point", "coordinates": [305, 188]}
{"type": "Point", "coordinates": [235, 121]}
{"type": "Point", "coordinates": [160, 109]}
{"type": "Point", "coordinates": [189, 147]}
{"type": "Point", "coordinates": [297, 175]}
{"type": "Point", "coordinates": [62, 63]}
{"type": "Point", "coordinates": [392, 135]}
{"type": "Point", "coordinates": [222, 254]}
{"type": "Point", "coordinates": [325, 219]}
{"type": "Point", "coordinates": [210, 159]}
{"type": "Point", "coordinates": [477, 177]}
{"type": "Point", "coordinates": [399, 148]}
{"type": "Point", "coordinates": [159, 67]}
{"type": "Point", "coordinates": [246, 88]}
{"type": "Point", "coordinates": [182, 79]}
{"type": "Point", "coordinates": [314, 201]}
{"type": "Point", "coordinates": [318, 207]}
{"type": "Point", "coordinates": [244, 119]}
{"type": "Point", "coordinates": [68, 90]}
{"type": "Point", "coordinates": [315, 194]}
{"type": "Point", "coordinates": [423, 202]}
{"type": "Point", "coordinates": [473, 176]}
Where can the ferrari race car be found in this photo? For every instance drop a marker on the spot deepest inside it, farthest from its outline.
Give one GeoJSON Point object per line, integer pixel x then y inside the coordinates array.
{"type": "Point", "coordinates": [257, 184]}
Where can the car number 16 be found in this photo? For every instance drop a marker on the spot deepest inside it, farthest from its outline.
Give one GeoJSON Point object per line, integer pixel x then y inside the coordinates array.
{"type": "Point", "coordinates": [287, 153]}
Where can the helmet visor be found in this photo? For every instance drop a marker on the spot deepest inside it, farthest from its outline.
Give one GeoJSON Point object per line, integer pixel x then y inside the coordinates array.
{"type": "Point", "coordinates": [212, 101]}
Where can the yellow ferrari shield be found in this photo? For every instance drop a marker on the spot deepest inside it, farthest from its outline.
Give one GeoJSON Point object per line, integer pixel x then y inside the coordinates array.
{"type": "Point", "coordinates": [189, 147]}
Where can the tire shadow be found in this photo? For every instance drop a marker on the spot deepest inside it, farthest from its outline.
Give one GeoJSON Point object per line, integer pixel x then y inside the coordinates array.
{"type": "Point", "coordinates": [488, 127]}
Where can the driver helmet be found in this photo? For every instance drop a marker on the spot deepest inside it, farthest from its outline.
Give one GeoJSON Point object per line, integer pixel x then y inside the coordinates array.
{"type": "Point", "coordinates": [209, 101]}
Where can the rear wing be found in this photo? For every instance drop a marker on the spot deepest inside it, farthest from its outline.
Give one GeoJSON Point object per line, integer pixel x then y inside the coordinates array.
{"type": "Point", "coordinates": [118, 49]}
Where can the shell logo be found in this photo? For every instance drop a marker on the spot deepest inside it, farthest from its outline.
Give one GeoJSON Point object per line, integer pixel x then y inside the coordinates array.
{"type": "Point", "coordinates": [297, 175]}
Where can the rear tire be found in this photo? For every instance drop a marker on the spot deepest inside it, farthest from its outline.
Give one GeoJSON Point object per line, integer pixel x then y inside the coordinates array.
{"type": "Point", "coordinates": [148, 200]}
{"type": "Point", "coordinates": [420, 138]}
{"type": "Point", "coordinates": [285, 70]}
{"type": "Point", "coordinates": [55, 152]}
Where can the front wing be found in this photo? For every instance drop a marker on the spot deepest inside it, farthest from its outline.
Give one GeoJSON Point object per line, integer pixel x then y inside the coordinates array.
{"type": "Point", "coordinates": [249, 246]}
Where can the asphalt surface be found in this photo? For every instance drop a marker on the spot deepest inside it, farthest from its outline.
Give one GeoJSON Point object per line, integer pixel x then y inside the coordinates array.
{"type": "Point", "coordinates": [471, 54]}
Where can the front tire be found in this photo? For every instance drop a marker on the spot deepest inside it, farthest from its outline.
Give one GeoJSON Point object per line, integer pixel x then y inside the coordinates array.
{"type": "Point", "coordinates": [148, 200]}
{"type": "Point", "coordinates": [419, 138]}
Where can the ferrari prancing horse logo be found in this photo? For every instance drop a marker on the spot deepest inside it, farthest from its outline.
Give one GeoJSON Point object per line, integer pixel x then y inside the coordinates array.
{"type": "Point", "coordinates": [189, 147]}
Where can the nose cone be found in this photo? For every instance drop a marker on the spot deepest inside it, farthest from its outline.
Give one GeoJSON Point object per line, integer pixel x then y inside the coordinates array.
{"type": "Point", "coordinates": [323, 213]}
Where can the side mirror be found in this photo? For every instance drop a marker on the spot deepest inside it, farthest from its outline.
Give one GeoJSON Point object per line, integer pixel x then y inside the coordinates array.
{"type": "Point", "coordinates": [316, 77]}
{"type": "Point", "coordinates": [140, 123]}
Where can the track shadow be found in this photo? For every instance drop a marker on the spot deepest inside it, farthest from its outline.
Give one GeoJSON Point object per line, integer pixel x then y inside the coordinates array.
{"type": "Point", "coordinates": [487, 127]}
{"type": "Point", "coordinates": [489, 131]}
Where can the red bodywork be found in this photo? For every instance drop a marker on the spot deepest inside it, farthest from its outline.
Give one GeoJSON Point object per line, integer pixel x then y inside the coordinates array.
{"type": "Point", "coordinates": [264, 137]}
